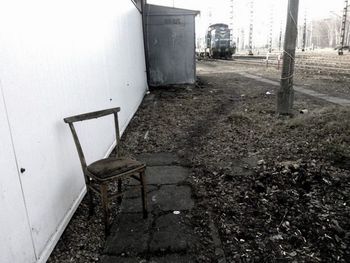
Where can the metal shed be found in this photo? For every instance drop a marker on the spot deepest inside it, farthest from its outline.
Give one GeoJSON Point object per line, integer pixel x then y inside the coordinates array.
{"type": "Point", "coordinates": [170, 45]}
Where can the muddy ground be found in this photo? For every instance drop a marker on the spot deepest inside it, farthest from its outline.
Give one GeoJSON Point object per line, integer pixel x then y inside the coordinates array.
{"type": "Point", "coordinates": [277, 188]}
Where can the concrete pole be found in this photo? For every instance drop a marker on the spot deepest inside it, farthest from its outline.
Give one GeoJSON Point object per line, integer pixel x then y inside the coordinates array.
{"type": "Point", "coordinates": [271, 27]}
{"type": "Point", "coordinates": [210, 15]}
{"type": "Point", "coordinates": [250, 52]}
{"type": "Point", "coordinates": [232, 22]}
{"type": "Point", "coordinates": [348, 35]}
{"type": "Point", "coordinates": [243, 39]}
{"type": "Point", "coordinates": [304, 34]}
{"type": "Point", "coordinates": [311, 44]}
{"type": "Point", "coordinates": [343, 28]}
{"type": "Point", "coordinates": [280, 38]}
{"type": "Point", "coordinates": [285, 94]}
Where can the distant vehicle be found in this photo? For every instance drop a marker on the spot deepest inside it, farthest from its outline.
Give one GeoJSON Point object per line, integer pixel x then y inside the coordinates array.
{"type": "Point", "coordinates": [340, 49]}
{"type": "Point", "coordinates": [219, 42]}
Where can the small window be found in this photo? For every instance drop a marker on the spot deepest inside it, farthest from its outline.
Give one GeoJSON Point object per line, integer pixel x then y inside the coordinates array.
{"type": "Point", "coordinates": [138, 4]}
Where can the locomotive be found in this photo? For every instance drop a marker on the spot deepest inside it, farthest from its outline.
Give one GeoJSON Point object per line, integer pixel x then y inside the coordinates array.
{"type": "Point", "coordinates": [219, 42]}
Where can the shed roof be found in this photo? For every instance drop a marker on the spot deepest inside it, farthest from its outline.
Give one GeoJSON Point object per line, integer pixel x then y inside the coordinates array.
{"type": "Point", "coordinates": [157, 10]}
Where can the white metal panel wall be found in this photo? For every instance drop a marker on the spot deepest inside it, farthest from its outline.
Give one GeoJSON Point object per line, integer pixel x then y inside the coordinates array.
{"type": "Point", "coordinates": [59, 58]}
{"type": "Point", "coordinates": [15, 239]}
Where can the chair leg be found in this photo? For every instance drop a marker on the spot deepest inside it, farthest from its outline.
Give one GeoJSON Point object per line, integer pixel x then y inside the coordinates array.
{"type": "Point", "coordinates": [104, 200]}
{"type": "Point", "coordinates": [119, 191]}
{"type": "Point", "coordinates": [143, 194]}
{"type": "Point", "coordinates": [91, 203]}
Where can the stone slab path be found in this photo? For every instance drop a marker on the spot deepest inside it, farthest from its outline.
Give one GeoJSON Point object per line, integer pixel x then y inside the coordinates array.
{"type": "Point", "coordinates": [165, 235]}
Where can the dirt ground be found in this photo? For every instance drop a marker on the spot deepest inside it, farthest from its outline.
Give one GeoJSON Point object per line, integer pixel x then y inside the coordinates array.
{"type": "Point", "coordinates": [277, 188]}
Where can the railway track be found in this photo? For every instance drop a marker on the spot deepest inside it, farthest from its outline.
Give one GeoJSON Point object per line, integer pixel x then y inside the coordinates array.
{"type": "Point", "coordinates": [333, 67]}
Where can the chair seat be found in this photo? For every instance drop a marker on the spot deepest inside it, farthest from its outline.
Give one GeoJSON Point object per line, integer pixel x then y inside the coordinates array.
{"type": "Point", "coordinates": [112, 166]}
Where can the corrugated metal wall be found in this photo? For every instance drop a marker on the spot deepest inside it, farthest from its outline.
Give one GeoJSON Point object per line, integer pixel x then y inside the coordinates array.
{"type": "Point", "coordinates": [59, 58]}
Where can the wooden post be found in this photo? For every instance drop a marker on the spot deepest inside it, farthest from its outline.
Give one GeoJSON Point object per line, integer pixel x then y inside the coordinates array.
{"type": "Point", "coordinates": [285, 94]}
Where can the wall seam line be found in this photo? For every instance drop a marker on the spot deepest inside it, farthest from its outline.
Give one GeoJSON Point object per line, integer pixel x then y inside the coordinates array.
{"type": "Point", "coordinates": [18, 174]}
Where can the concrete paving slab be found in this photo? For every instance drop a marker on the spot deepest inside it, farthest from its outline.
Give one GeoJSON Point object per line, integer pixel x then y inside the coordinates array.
{"type": "Point", "coordinates": [174, 258]}
{"type": "Point", "coordinates": [135, 192]}
{"type": "Point", "coordinates": [164, 235]}
{"type": "Point", "coordinates": [166, 174]}
{"type": "Point", "coordinates": [167, 198]}
{"type": "Point", "coordinates": [171, 233]}
{"type": "Point", "coordinates": [134, 205]}
{"type": "Point", "coordinates": [159, 159]}
{"type": "Point", "coordinates": [158, 175]}
{"type": "Point", "coordinates": [129, 235]}
{"type": "Point", "coordinates": [171, 197]}
{"type": "Point", "coordinates": [113, 259]}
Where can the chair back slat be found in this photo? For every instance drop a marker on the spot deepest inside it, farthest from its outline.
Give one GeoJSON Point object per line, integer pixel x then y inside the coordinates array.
{"type": "Point", "coordinates": [79, 149]}
{"type": "Point", "coordinates": [88, 116]}
{"type": "Point", "coordinates": [91, 115]}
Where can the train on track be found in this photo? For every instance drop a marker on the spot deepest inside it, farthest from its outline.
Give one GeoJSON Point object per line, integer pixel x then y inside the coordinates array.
{"type": "Point", "coordinates": [218, 42]}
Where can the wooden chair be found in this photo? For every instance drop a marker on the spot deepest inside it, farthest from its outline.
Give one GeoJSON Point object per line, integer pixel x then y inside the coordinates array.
{"type": "Point", "coordinates": [99, 174]}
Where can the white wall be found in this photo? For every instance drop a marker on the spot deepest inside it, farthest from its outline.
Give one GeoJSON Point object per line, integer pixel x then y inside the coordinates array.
{"type": "Point", "coordinates": [59, 58]}
{"type": "Point", "coordinates": [15, 239]}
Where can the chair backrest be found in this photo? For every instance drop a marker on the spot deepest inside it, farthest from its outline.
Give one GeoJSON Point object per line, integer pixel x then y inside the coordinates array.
{"type": "Point", "coordinates": [89, 116]}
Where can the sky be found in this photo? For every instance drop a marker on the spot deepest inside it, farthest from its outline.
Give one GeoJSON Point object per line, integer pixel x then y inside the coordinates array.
{"type": "Point", "coordinates": [316, 8]}
{"type": "Point", "coordinates": [269, 15]}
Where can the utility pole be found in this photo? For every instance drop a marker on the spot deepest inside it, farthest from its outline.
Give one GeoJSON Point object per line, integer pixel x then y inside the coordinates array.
{"type": "Point", "coordinates": [271, 28]}
{"type": "Point", "coordinates": [280, 38]}
{"type": "Point", "coordinates": [347, 35]}
{"type": "Point", "coordinates": [242, 39]}
{"type": "Point", "coordinates": [232, 19]}
{"type": "Point", "coordinates": [343, 29]}
{"type": "Point", "coordinates": [285, 94]}
{"type": "Point", "coordinates": [311, 44]}
{"type": "Point", "coordinates": [304, 34]}
{"type": "Point", "coordinates": [251, 27]}
{"type": "Point", "coordinates": [210, 14]}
